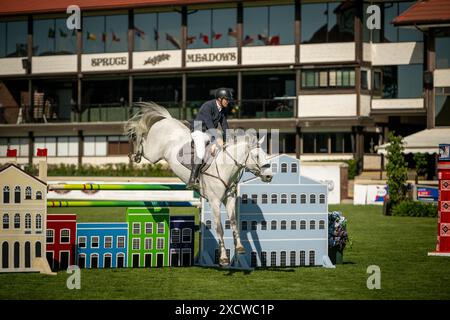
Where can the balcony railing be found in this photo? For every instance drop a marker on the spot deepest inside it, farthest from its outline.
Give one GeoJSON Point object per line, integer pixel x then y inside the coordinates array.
{"type": "Point", "coordinates": [109, 112]}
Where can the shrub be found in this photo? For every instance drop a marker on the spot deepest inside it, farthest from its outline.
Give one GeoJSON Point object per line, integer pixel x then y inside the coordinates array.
{"type": "Point", "coordinates": [352, 169]}
{"type": "Point", "coordinates": [415, 209]}
{"type": "Point", "coordinates": [396, 168]}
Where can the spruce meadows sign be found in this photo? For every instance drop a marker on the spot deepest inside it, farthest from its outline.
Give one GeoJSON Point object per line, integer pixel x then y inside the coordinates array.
{"type": "Point", "coordinates": [106, 62]}
{"type": "Point", "coordinates": [211, 57]}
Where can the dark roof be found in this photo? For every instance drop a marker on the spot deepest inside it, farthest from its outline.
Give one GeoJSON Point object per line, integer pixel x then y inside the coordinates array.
{"type": "Point", "coordinates": [425, 12]}
{"type": "Point", "coordinates": [17, 7]}
{"type": "Point", "coordinates": [6, 166]}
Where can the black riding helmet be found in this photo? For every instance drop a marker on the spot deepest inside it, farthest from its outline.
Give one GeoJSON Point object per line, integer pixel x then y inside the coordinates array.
{"type": "Point", "coordinates": [224, 93]}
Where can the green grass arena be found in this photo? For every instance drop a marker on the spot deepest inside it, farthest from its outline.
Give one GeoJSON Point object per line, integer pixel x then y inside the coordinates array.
{"type": "Point", "coordinates": [398, 245]}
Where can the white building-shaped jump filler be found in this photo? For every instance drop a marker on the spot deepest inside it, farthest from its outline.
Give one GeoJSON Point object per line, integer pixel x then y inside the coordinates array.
{"type": "Point", "coordinates": [283, 223]}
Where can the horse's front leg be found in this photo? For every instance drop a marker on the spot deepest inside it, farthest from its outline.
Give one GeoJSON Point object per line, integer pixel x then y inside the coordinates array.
{"type": "Point", "coordinates": [231, 211]}
{"type": "Point", "coordinates": [224, 260]}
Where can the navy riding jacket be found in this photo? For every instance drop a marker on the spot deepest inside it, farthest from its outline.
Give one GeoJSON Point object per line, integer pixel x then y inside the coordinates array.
{"type": "Point", "coordinates": [210, 116]}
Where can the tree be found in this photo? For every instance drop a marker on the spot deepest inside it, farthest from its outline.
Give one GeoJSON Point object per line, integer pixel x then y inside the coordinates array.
{"type": "Point", "coordinates": [421, 164]}
{"type": "Point", "coordinates": [397, 171]}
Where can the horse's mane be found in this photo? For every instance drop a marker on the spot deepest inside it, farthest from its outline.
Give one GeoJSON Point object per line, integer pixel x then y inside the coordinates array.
{"type": "Point", "coordinates": [141, 122]}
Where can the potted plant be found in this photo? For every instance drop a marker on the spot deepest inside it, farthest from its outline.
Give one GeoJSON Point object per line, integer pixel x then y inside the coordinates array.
{"type": "Point", "coordinates": [337, 236]}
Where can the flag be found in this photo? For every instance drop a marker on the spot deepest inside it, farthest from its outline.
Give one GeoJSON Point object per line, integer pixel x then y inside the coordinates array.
{"type": "Point", "coordinates": [173, 41]}
{"type": "Point", "coordinates": [51, 33]}
{"type": "Point", "coordinates": [139, 32]}
{"type": "Point", "coordinates": [62, 33]}
{"type": "Point", "coordinates": [248, 39]}
{"type": "Point", "coordinates": [104, 37]}
{"type": "Point", "coordinates": [232, 33]}
{"type": "Point", "coordinates": [115, 37]}
{"type": "Point", "coordinates": [91, 36]}
{"type": "Point", "coordinates": [204, 37]}
{"type": "Point", "coordinates": [155, 34]}
{"type": "Point", "coordinates": [216, 36]}
{"type": "Point", "coordinates": [41, 152]}
{"type": "Point", "coordinates": [11, 153]}
{"type": "Point", "coordinates": [190, 40]}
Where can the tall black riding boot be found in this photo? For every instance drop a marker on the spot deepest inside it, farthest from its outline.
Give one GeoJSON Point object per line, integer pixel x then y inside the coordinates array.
{"type": "Point", "coordinates": [192, 184]}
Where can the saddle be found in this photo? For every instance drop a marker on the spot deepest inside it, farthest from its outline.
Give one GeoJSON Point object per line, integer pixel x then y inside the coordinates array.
{"type": "Point", "coordinates": [187, 151]}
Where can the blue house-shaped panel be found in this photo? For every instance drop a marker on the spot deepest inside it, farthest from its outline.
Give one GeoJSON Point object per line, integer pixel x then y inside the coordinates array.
{"type": "Point", "coordinates": [281, 223]}
{"type": "Point", "coordinates": [102, 245]}
{"type": "Point", "coordinates": [182, 230]}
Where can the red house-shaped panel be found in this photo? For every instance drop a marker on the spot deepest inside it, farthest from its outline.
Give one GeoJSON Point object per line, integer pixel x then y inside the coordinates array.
{"type": "Point", "coordinates": [61, 235]}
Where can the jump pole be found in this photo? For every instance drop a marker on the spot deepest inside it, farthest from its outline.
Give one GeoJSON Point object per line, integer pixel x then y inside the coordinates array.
{"type": "Point", "coordinates": [118, 203]}
{"type": "Point", "coordinates": [115, 187]}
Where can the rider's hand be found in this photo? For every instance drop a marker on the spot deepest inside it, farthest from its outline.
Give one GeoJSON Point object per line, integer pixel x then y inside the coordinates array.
{"type": "Point", "coordinates": [213, 149]}
{"type": "Point", "coordinates": [220, 142]}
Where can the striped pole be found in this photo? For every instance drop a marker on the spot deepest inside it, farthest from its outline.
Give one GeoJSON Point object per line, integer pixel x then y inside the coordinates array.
{"type": "Point", "coordinates": [137, 186]}
{"type": "Point", "coordinates": [117, 203]}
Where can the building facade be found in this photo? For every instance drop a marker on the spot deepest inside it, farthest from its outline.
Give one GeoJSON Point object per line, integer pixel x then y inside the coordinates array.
{"type": "Point", "coordinates": [333, 87]}
{"type": "Point", "coordinates": [148, 241]}
{"type": "Point", "coordinates": [283, 223]}
{"type": "Point", "coordinates": [23, 208]}
{"type": "Point", "coordinates": [102, 245]}
{"type": "Point", "coordinates": [182, 235]}
{"type": "Point", "coordinates": [61, 240]}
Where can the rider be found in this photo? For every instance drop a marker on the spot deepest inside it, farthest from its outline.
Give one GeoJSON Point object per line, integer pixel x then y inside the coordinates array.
{"type": "Point", "coordinates": [211, 113]}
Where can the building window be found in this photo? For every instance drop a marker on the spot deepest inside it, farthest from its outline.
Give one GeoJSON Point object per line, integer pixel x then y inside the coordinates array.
{"type": "Point", "coordinates": [65, 236]}
{"type": "Point", "coordinates": [321, 224]}
{"type": "Point", "coordinates": [149, 227]}
{"type": "Point", "coordinates": [212, 28]}
{"type": "Point", "coordinates": [283, 167]}
{"type": "Point", "coordinates": [263, 225]}
{"type": "Point", "coordinates": [175, 236]}
{"type": "Point", "coordinates": [149, 243]}
{"type": "Point", "coordinates": [216, 256]}
{"type": "Point", "coordinates": [402, 81]}
{"type": "Point", "coordinates": [283, 198]}
{"type": "Point", "coordinates": [244, 225]}
{"type": "Point", "coordinates": [118, 145]}
{"type": "Point", "coordinates": [103, 34]}
{"type": "Point", "coordinates": [273, 225]}
{"type": "Point", "coordinates": [17, 221]}
{"type": "Point", "coordinates": [341, 142]}
{"type": "Point", "coordinates": [208, 224]}
{"type": "Point", "coordinates": [136, 244]}
{"type": "Point", "coordinates": [274, 199]}
{"type": "Point", "coordinates": [254, 225]}
{"type": "Point", "coordinates": [264, 198]}
{"type": "Point", "coordinates": [283, 225]}
{"type": "Point", "coordinates": [312, 258]}
{"type": "Point", "coordinates": [38, 222]}
{"type": "Point", "coordinates": [50, 235]}
{"type": "Point", "coordinates": [95, 145]}
{"type": "Point", "coordinates": [157, 31]}
{"type": "Point", "coordinates": [273, 259]}
{"type": "Point", "coordinates": [328, 78]}
{"type": "Point", "coordinates": [17, 194]}
{"type": "Point", "coordinates": [95, 242]}
{"type": "Point", "coordinates": [294, 167]}
{"type": "Point", "coordinates": [312, 198]}
{"type": "Point", "coordinates": [28, 193]}
{"type": "Point", "coordinates": [253, 259]}
{"type": "Point", "coordinates": [227, 224]}
{"type": "Point", "coordinates": [442, 49]}
{"type": "Point", "coordinates": [187, 235]}
{"type": "Point", "coordinates": [293, 224]}
{"type": "Point", "coordinates": [283, 259]}
{"type": "Point", "coordinates": [274, 167]}
{"type": "Point", "coordinates": [108, 242]}
{"type": "Point", "coordinates": [266, 30]}
{"type": "Point", "coordinates": [19, 144]}
{"type": "Point", "coordinates": [67, 146]}
{"type": "Point", "coordinates": [254, 198]}
{"type": "Point", "coordinates": [442, 106]}
{"type": "Point", "coordinates": [244, 199]}
{"type": "Point", "coordinates": [292, 259]}
{"type": "Point", "coordinates": [364, 80]}
{"type": "Point", "coordinates": [263, 259]}
{"type": "Point", "coordinates": [38, 195]}
{"type": "Point", "coordinates": [302, 258]}
{"type": "Point", "coordinates": [121, 242]}
{"type": "Point", "coordinates": [293, 198]}
{"type": "Point", "coordinates": [160, 228]}
{"type": "Point", "coordinates": [327, 22]}
{"type": "Point", "coordinates": [315, 142]}
{"type": "Point", "coordinates": [13, 39]}
{"type": "Point", "coordinates": [321, 198]}
{"type": "Point", "coordinates": [136, 228]}
{"type": "Point", "coordinates": [5, 194]}
{"type": "Point", "coordinates": [312, 224]}
{"type": "Point", "coordinates": [81, 241]}
{"type": "Point", "coordinates": [28, 221]}
{"type": "Point", "coordinates": [159, 243]}
{"type": "Point", "coordinates": [303, 198]}
{"type": "Point", "coordinates": [302, 224]}
{"type": "Point", "coordinates": [51, 37]}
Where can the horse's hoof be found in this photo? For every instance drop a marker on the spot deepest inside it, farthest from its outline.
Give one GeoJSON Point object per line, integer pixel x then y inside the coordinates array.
{"type": "Point", "coordinates": [224, 262]}
{"type": "Point", "coordinates": [240, 250]}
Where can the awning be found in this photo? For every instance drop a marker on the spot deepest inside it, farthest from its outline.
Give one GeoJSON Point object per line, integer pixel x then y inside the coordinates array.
{"type": "Point", "coordinates": [423, 13]}
{"type": "Point", "coordinates": [425, 141]}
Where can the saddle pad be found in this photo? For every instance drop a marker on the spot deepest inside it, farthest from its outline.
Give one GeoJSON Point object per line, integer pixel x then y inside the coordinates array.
{"type": "Point", "coordinates": [184, 156]}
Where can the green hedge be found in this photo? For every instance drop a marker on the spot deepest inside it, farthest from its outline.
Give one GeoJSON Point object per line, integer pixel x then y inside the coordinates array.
{"type": "Point", "coordinates": [352, 169]}
{"type": "Point", "coordinates": [415, 209]}
{"type": "Point", "coordinates": [110, 170]}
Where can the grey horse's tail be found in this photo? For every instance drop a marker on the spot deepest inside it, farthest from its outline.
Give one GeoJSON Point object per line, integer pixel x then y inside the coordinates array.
{"type": "Point", "coordinates": [141, 122]}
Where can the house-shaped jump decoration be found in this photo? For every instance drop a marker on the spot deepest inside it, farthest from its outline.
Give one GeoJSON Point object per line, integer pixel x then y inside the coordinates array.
{"type": "Point", "coordinates": [283, 223]}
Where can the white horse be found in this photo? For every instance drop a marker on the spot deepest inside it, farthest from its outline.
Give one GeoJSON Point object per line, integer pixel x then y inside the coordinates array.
{"type": "Point", "coordinates": [156, 135]}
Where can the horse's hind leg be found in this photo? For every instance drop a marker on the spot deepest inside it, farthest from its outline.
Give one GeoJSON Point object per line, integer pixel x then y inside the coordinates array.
{"type": "Point", "coordinates": [231, 211]}
{"type": "Point", "coordinates": [215, 206]}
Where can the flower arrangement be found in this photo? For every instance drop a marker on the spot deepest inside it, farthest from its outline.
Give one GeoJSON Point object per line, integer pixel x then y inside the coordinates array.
{"type": "Point", "coordinates": [337, 231]}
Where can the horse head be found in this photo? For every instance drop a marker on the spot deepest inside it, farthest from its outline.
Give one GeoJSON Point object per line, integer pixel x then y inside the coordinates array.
{"type": "Point", "coordinates": [137, 146]}
{"type": "Point", "coordinates": [257, 162]}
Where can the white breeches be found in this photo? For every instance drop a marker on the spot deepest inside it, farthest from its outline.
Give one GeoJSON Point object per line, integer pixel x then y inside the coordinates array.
{"type": "Point", "coordinates": [200, 139]}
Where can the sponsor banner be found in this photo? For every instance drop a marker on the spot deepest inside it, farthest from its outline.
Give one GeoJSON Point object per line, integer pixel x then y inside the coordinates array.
{"type": "Point", "coordinates": [444, 152]}
{"type": "Point", "coordinates": [49, 64]}
{"type": "Point", "coordinates": [157, 59]}
{"type": "Point", "coordinates": [211, 57]}
{"type": "Point", "coordinates": [376, 194]}
{"type": "Point", "coordinates": [104, 62]}
{"type": "Point", "coordinates": [427, 193]}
